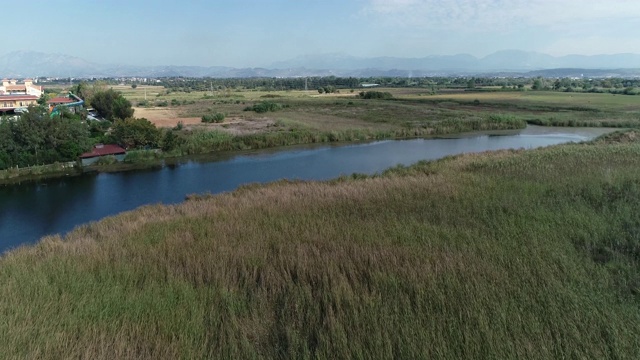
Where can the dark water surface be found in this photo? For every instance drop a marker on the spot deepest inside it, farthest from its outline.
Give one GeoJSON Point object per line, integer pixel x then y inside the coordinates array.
{"type": "Point", "coordinates": [31, 210]}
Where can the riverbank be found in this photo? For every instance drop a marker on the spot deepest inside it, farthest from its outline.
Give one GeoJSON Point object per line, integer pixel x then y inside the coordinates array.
{"type": "Point", "coordinates": [305, 117]}
{"type": "Point", "coordinates": [39, 172]}
{"type": "Point", "coordinates": [514, 253]}
{"type": "Point", "coordinates": [67, 202]}
{"type": "Point", "coordinates": [199, 142]}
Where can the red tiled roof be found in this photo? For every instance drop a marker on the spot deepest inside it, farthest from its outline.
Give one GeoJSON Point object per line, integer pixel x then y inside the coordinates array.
{"type": "Point", "coordinates": [59, 100]}
{"type": "Point", "coordinates": [18, 97]}
{"type": "Point", "coordinates": [102, 150]}
{"type": "Point", "coordinates": [16, 87]}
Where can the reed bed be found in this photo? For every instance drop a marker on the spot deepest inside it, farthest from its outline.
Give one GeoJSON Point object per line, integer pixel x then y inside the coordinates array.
{"type": "Point", "coordinates": [513, 254]}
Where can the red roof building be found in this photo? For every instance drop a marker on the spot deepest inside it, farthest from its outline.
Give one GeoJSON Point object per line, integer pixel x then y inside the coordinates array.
{"type": "Point", "coordinates": [104, 150]}
{"type": "Point", "coordinates": [59, 100]}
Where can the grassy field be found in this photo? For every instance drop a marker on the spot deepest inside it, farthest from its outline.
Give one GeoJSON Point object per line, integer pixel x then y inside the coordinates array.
{"type": "Point", "coordinates": [514, 254]}
{"type": "Point", "coordinates": [411, 108]}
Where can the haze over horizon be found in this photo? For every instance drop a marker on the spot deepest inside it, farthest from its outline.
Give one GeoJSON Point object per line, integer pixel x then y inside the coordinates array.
{"type": "Point", "coordinates": [251, 33]}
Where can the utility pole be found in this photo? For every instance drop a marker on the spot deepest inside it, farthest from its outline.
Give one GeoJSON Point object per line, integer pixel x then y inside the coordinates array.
{"type": "Point", "coordinates": [305, 84]}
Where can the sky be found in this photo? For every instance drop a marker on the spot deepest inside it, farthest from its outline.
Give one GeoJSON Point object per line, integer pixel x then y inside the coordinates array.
{"type": "Point", "coordinates": [256, 33]}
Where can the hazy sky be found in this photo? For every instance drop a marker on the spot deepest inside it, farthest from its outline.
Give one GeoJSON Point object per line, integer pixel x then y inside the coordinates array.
{"type": "Point", "coordinates": [243, 33]}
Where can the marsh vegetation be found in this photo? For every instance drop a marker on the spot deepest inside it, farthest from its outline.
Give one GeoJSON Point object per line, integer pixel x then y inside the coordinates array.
{"type": "Point", "coordinates": [529, 254]}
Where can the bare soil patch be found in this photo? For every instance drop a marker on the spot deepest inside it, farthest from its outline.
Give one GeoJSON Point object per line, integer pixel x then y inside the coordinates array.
{"type": "Point", "coordinates": [242, 126]}
{"type": "Point", "coordinates": [164, 117]}
{"type": "Point", "coordinates": [168, 117]}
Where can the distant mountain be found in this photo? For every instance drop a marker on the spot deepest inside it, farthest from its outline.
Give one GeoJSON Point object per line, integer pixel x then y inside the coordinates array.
{"type": "Point", "coordinates": [506, 60]}
{"type": "Point", "coordinates": [30, 64]}
{"type": "Point", "coordinates": [21, 64]}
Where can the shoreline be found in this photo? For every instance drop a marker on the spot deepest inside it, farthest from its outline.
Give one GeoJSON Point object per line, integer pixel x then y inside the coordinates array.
{"type": "Point", "coordinates": [42, 173]}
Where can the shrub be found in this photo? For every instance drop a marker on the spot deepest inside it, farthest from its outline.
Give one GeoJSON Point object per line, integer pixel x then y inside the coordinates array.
{"type": "Point", "coordinates": [213, 118]}
{"type": "Point", "coordinates": [107, 160]}
{"type": "Point", "coordinates": [375, 95]}
{"type": "Point", "coordinates": [265, 106]}
{"type": "Point", "coordinates": [140, 156]}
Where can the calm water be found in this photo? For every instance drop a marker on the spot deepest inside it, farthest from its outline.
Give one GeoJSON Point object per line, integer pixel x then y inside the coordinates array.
{"type": "Point", "coordinates": [32, 210]}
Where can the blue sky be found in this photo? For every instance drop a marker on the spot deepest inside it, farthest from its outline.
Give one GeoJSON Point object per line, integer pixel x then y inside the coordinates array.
{"type": "Point", "coordinates": [250, 33]}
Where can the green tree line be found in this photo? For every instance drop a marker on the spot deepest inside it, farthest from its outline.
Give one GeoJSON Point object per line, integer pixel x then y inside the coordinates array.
{"type": "Point", "coordinates": [34, 138]}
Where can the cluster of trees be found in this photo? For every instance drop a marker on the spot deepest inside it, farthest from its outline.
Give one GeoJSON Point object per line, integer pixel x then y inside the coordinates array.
{"type": "Point", "coordinates": [35, 138]}
{"type": "Point", "coordinates": [270, 84]}
{"type": "Point", "coordinates": [110, 104]}
{"type": "Point", "coordinates": [610, 85]}
{"type": "Point", "coordinates": [135, 133]}
{"type": "Point", "coordinates": [433, 83]}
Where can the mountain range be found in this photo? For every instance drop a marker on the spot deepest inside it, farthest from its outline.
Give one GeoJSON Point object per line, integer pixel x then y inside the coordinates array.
{"type": "Point", "coordinates": [23, 64]}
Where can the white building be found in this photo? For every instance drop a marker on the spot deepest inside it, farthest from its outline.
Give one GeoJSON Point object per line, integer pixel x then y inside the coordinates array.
{"type": "Point", "coordinates": [11, 87]}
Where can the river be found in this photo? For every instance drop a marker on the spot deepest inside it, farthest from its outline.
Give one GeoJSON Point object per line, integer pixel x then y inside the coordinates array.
{"type": "Point", "coordinates": [31, 210]}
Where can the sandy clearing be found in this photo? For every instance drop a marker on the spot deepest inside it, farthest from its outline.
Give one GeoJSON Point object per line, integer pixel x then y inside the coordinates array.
{"type": "Point", "coordinates": [168, 118]}
{"type": "Point", "coordinates": [164, 117]}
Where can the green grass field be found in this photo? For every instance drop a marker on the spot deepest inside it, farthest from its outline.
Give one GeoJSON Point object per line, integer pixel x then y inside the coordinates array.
{"type": "Point", "coordinates": [411, 108]}
{"type": "Point", "coordinates": [514, 254]}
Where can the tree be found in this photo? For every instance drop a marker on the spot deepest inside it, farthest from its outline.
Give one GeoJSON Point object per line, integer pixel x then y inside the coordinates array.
{"type": "Point", "coordinates": [537, 84]}
{"type": "Point", "coordinates": [34, 138]}
{"type": "Point", "coordinates": [471, 84]}
{"type": "Point", "coordinates": [85, 91]}
{"type": "Point", "coordinates": [42, 100]}
{"type": "Point", "coordinates": [170, 141]}
{"type": "Point", "coordinates": [133, 86]}
{"type": "Point", "coordinates": [135, 133]}
{"type": "Point", "coordinates": [112, 105]}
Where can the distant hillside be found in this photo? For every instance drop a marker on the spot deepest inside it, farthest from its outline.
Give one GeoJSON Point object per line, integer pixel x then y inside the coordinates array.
{"type": "Point", "coordinates": [511, 62]}
{"type": "Point", "coordinates": [30, 63]}
{"type": "Point", "coordinates": [506, 60]}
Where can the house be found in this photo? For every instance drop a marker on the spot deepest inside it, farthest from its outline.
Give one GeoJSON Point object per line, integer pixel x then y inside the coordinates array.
{"type": "Point", "coordinates": [100, 151]}
{"type": "Point", "coordinates": [14, 95]}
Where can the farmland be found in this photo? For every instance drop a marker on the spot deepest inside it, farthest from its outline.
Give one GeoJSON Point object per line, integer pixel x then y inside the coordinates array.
{"type": "Point", "coordinates": [411, 108]}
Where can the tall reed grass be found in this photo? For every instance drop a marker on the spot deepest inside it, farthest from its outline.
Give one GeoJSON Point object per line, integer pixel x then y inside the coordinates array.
{"type": "Point", "coordinates": [513, 254]}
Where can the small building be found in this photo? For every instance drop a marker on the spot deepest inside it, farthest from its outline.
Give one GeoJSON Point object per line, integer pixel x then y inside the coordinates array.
{"type": "Point", "coordinates": [71, 102]}
{"type": "Point", "coordinates": [100, 151]}
{"type": "Point", "coordinates": [59, 100]}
